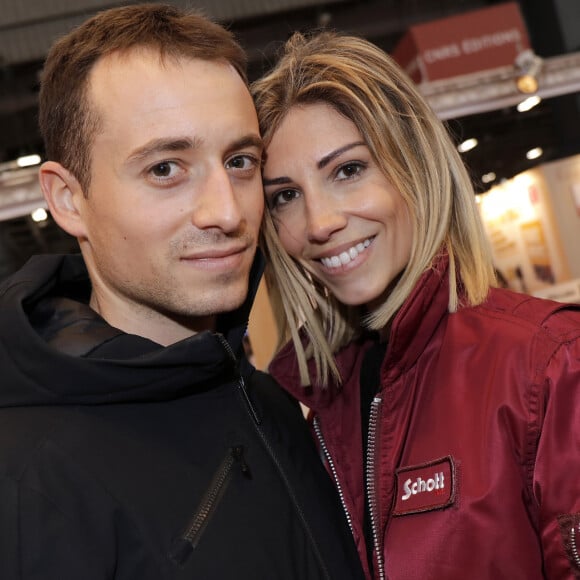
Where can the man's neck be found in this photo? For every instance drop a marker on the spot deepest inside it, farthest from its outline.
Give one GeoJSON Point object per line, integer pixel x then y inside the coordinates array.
{"type": "Point", "coordinates": [153, 325]}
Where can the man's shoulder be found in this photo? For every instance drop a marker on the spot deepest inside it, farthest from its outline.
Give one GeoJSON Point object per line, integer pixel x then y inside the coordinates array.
{"type": "Point", "coordinates": [24, 432]}
{"type": "Point", "coordinates": [267, 392]}
{"type": "Point", "coordinates": [32, 440]}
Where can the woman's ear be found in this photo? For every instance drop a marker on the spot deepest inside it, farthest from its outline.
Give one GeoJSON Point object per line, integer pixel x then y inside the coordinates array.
{"type": "Point", "coordinates": [64, 196]}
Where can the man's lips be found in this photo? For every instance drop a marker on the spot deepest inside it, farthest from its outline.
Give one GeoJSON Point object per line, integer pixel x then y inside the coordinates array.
{"type": "Point", "coordinates": [216, 253]}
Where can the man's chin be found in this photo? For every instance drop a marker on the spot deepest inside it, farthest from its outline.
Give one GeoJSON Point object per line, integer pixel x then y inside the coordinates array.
{"type": "Point", "coordinates": [224, 298]}
{"type": "Point", "coordinates": [232, 301]}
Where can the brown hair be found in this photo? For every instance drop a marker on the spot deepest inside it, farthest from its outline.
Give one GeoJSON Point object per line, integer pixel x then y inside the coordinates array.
{"type": "Point", "coordinates": [67, 121]}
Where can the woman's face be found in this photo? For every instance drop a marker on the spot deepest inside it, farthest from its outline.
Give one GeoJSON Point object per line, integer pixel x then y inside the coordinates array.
{"type": "Point", "coordinates": [334, 209]}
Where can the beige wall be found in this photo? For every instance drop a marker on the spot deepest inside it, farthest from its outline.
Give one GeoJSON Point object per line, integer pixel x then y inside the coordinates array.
{"type": "Point", "coordinates": [533, 222]}
{"type": "Point", "coordinates": [563, 178]}
{"type": "Point", "coordinates": [262, 329]}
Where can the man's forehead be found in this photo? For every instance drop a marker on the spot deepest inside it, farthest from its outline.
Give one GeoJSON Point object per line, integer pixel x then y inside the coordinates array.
{"type": "Point", "coordinates": [151, 57]}
{"type": "Point", "coordinates": [139, 105]}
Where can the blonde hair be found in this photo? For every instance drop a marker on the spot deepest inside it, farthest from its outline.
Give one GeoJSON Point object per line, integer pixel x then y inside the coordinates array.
{"type": "Point", "coordinates": [415, 152]}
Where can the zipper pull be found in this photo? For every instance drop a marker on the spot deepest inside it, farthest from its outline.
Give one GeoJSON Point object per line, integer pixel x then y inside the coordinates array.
{"type": "Point", "coordinates": [238, 455]}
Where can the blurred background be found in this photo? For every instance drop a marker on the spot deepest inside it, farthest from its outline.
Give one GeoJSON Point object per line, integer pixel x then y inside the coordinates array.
{"type": "Point", "coordinates": [504, 76]}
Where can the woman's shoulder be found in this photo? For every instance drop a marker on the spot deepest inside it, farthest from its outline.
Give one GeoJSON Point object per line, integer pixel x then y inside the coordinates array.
{"type": "Point", "coordinates": [515, 314]}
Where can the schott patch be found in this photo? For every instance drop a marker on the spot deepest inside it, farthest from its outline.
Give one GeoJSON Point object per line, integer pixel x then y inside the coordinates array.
{"type": "Point", "coordinates": [425, 487]}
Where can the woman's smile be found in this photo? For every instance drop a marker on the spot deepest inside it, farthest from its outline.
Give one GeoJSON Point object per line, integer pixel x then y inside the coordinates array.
{"type": "Point", "coordinates": [345, 257]}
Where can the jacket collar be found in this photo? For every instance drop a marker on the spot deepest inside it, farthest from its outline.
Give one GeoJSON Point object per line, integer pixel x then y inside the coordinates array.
{"type": "Point", "coordinates": [409, 335]}
{"type": "Point", "coordinates": [127, 368]}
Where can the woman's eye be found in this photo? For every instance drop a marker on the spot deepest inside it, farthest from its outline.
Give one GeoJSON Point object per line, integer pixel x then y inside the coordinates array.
{"type": "Point", "coordinates": [349, 170]}
{"type": "Point", "coordinates": [283, 197]}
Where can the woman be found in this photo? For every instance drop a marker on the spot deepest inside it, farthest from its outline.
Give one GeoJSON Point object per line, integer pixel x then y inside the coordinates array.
{"type": "Point", "coordinates": [448, 410]}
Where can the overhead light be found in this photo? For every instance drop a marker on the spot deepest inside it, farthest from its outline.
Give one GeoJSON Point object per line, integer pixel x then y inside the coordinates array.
{"type": "Point", "coordinates": [488, 177]}
{"type": "Point", "coordinates": [467, 145]}
{"type": "Point", "coordinates": [534, 153]}
{"type": "Point", "coordinates": [21, 162]}
{"type": "Point", "coordinates": [28, 160]}
{"type": "Point", "coordinates": [528, 103]}
{"type": "Point", "coordinates": [324, 19]}
{"type": "Point", "coordinates": [527, 84]}
{"type": "Point", "coordinates": [39, 215]}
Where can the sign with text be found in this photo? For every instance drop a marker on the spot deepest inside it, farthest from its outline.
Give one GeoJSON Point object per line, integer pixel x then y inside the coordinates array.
{"type": "Point", "coordinates": [471, 42]}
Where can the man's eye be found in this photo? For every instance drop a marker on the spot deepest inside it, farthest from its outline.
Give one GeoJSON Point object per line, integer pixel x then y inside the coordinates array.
{"type": "Point", "coordinates": [241, 162]}
{"type": "Point", "coordinates": [162, 169]}
{"type": "Point", "coordinates": [166, 173]}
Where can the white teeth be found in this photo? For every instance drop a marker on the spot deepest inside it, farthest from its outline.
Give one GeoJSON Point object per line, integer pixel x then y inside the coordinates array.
{"type": "Point", "coordinates": [345, 257]}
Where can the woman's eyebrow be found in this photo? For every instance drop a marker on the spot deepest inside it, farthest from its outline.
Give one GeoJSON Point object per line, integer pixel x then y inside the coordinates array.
{"type": "Point", "coordinates": [333, 154]}
{"type": "Point", "coordinates": [275, 181]}
{"type": "Point", "coordinates": [320, 165]}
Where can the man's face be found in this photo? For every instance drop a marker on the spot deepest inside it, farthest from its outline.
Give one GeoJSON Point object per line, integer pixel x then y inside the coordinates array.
{"type": "Point", "coordinates": [172, 215]}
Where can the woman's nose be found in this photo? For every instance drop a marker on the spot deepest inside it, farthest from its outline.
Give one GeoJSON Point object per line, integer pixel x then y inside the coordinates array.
{"type": "Point", "coordinates": [324, 217]}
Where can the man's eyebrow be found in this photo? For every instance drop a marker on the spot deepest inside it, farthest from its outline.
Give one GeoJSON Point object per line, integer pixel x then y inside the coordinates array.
{"type": "Point", "coordinates": [185, 143]}
{"type": "Point", "coordinates": [333, 154]}
{"type": "Point", "coordinates": [162, 144]}
{"type": "Point", "coordinates": [247, 141]}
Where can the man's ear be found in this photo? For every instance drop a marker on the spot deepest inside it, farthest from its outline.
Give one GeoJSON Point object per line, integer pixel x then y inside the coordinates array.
{"type": "Point", "coordinates": [64, 196]}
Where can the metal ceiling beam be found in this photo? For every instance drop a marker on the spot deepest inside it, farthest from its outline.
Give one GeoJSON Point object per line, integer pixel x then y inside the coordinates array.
{"type": "Point", "coordinates": [28, 29]}
{"type": "Point", "coordinates": [496, 89]}
{"type": "Point", "coordinates": [20, 193]}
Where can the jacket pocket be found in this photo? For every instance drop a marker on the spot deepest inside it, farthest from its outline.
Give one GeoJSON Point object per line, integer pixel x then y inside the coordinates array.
{"type": "Point", "coordinates": [187, 542]}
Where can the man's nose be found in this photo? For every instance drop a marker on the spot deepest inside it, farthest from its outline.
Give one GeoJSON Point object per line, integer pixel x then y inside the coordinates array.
{"type": "Point", "coordinates": [218, 205]}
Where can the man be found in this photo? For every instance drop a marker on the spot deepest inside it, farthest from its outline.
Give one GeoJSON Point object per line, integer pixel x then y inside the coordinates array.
{"type": "Point", "coordinates": [135, 440]}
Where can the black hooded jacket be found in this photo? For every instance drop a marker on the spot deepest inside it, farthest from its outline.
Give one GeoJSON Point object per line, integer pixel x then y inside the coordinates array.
{"type": "Point", "coordinates": [121, 459]}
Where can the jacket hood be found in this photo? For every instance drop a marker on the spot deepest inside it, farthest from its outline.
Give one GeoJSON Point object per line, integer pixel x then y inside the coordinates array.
{"type": "Point", "coordinates": [55, 350]}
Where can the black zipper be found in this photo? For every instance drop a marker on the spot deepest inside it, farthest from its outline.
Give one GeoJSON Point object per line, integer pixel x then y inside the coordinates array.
{"type": "Point", "coordinates": [257, 422]}
{"type": "Point", "coordinates": [286, 481]}
{"type": "Point", "coordinates": [186, 543]}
